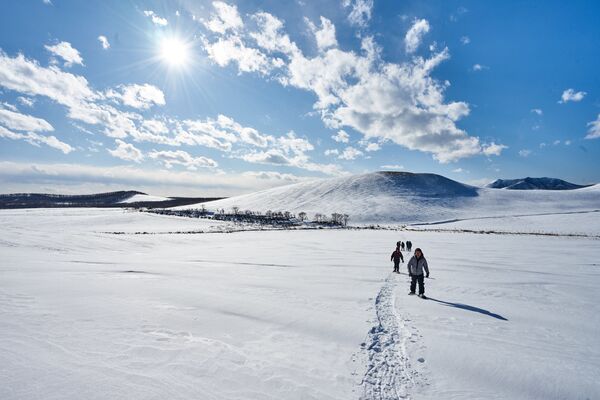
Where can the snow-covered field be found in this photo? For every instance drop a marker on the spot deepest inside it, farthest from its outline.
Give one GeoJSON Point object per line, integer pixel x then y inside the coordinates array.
{"type": "Point", "coordinates": [290, 314]}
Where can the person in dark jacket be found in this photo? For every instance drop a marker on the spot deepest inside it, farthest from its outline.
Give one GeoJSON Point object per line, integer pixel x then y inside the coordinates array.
{"type": "Point", "coordinates": [396, 258]}
{"type": "Point", "coordinates": [416, 267]}
{"type": "Point", "coordinates": [408, 245]}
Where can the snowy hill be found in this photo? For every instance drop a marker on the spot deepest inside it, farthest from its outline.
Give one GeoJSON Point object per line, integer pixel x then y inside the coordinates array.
{"type": "Point", "coordinates": [404, 197]}
{"type": "Point", "coordinates": [534, 183]}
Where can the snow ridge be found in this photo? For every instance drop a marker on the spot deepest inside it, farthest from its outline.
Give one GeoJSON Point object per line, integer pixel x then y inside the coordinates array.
{"type": "Point", "coordinates": [389, 373]}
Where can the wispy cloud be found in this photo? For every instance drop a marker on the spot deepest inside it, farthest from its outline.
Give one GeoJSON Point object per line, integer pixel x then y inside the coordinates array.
{"type": "Point", "coordinates": [415, 34]}
{"type": "Point", "coordinates": [360, 11]}
{"type": "Point", "coordinates": [594, 130]}
{"type": "Point", "coordinates": [341, 136]}
{"type": "Point", "coordinates": [156, 19]}
{"type": "Point", "coordinates": [126, 151]}
{"type": "Point", "coordinates": [104, 42]}
{"type": "Point", "coordinates": [524, 152]}
{"type": "Point", "coordinates": [67, 52]}
{"type": "Point", "coordinates": [571, 95]}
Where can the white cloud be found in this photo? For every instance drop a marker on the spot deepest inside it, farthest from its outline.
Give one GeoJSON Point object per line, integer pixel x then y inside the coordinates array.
{"type": "Point", "coordinates": [170, 158]}
{"type": "Point", "coordinates": [556, 142]}
{"type": "Point", "coordinates": [415, 34]}
{"type": "Point", "coordinates": [36, 139]}
{"type": "Point", "coordinates": [138, 96]}
{"type": "Point", "coordinates": [386, 101]}
{"type": "Point", "coordinates": [332, 152]}
{"type": "Point", "coordinates": [493, 149]}
{"type": "Point", "coordinates": [537, 111]}
{"type": "Point", "coordinates": [341, 136]}
{"type": "Point", "coordinates": [28, 77]}
{"type": "Point", "coordinates": [232, 50]}
{"type": "Point", "coordinates": [373, 147]}
{"type": "Point", "coordinates": [67, 52]}
{"type": "Point", "coordinates": [325, 36]}
{"type": "Point", "coordinates": [80, 178]}
{"type": "Point", "coordinates": [458, 170]}
{"type": "Point", "coordinates": [47, 2]}
{"type": "Point", "coordinates": [524, 152]}
{"type": "Point", "coordinates": [8, 106]}
{"type": "Point", "coordinates": [571, 95]}
{"type": "Point", "coordinates": [392, 167]}
{"type": "Point", "coordinates": [225, 19]}
{"type": "Point", "coordinates": [26, 101]}
{"type": "Point", "coordinates": [542, 145]}
{"type": "Point", "coordinates": [273, 175]}
{"type": "Point", "coordinates": [360, 11]}
{"type": "Point", "coordinates": [157, 20]}
{"type": "Point", "coordinates": [104, 42]}
{"type": "Point", "coordinates": [594, 130]}
{"type": "Point", "coordinates": [567, 142]}
{"type": "Point", "coordinates": [465, 40]}
{"type": "Point", "coordinates": [479, 67]}
{"type": "Point", "coordinates": [126, 151]}
{"type": "Point", "coordinates": [22, 122]}
{"type": "Point", "coordinates": [350, 153]}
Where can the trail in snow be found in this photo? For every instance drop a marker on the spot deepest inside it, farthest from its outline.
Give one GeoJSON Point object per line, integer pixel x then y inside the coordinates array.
{"type": "Point", "coordinates": [389, 373]}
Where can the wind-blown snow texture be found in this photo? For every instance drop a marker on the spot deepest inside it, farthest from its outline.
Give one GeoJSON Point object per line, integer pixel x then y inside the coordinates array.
{"type": "Point", "coordinates": [289, 314]}
{"type": "Point", "coordinates": [403, 197]}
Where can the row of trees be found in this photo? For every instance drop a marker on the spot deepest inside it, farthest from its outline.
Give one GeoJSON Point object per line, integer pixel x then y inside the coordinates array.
{"type": "Point", "coordinates": [269, 217]}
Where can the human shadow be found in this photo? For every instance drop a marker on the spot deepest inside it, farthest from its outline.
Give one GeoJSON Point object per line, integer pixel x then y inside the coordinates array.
{"type": "Point", "coordinates": [469, 308]}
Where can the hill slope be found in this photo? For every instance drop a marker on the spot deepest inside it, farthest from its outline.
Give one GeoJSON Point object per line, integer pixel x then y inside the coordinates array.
{"type": "Point", "coordinates": [403, 197]}
{"type": "Point", "coordinates": [534, 183]}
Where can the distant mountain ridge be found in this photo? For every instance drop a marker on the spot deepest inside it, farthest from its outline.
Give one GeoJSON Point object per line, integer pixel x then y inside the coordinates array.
{"type": "Point", "coordinates": [534, 184]}
{"type": "Point", "coordinates": [109, 199]}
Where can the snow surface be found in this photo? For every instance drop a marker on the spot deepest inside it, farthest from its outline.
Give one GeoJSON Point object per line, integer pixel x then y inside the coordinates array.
{"type": "Point", "coordinates": [289, 314]}
{"type": "Point", "coordinates": [388, 197]}
{"type": "Point", "coordinates": [144, 197]}
{"type": "Point", "coordinates": [576, 223]}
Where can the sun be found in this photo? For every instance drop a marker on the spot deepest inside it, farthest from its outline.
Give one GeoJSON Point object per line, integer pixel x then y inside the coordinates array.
{"type": "Point", "coordinates": [175, 52]}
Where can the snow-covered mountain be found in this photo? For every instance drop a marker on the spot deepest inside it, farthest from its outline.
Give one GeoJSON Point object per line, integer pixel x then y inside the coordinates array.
{"type": "Point", "coordinates": [534, 183]}
{"type": "Point", "coordinates": [404, 197]}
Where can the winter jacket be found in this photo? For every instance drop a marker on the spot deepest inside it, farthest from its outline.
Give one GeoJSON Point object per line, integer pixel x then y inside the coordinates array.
{"type": "Point", "coordinates": [417, 265]}
{"type": "Point", "coordinates": [397, 256]}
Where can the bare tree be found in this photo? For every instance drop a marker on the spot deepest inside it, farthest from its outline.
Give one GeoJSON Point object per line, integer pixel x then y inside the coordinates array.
{"type": "Point", "coordinates": [346, 218]}
{"type": "Point", "coordinates": [235, 209]}
{"type": "Point", "coordinates": [302, 216]}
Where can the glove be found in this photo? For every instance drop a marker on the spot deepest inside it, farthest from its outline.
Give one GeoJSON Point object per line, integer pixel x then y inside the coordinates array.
{"type": "Point", "coordinates": [427, 276]}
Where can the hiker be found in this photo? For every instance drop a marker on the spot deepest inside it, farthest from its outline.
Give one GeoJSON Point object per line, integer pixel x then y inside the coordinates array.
{"type": "Point", "coordinates": [396, 258]}
{"type": "Point", "coordinates": [402, 246]}
{"type": "Point", "coordinates": [408, 245]}
{"type": "Point", "coordinates": [416, 266]}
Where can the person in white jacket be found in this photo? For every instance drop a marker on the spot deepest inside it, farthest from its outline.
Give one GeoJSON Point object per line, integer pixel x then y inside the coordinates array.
{"type": "Point", "coordinates": [416, 267]}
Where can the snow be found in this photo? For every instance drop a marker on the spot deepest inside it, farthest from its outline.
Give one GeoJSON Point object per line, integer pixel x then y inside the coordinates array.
{"type": "Point", "coordinates": [144, 197]}
{"type": "Point", "coordinates": [293, 314]}
{"type": "Point", "coordinates": [405, 198]}
{"type": "Point", "coordinates": [585, 223]}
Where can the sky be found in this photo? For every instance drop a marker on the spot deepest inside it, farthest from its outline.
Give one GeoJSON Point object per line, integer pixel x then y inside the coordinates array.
{"type": "Point", "coordinates": [218, 98]}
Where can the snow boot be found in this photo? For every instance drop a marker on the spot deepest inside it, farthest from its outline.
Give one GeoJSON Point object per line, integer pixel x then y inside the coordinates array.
{"type": "Point", "coordinates": [422, 295]}
{"type": "Point", "coordinates": [411, 293]}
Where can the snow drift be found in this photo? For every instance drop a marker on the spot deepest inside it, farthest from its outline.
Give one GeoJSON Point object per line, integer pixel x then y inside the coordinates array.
{"type": "Point", "coordinates": [404, 197]}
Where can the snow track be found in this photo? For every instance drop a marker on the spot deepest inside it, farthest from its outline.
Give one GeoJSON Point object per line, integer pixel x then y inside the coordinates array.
{"type": "Point", "coordinates": [389, 374]}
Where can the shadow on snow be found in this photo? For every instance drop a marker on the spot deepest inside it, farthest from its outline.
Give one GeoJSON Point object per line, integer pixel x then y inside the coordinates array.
{"type": "Point", "coordinates": [470, 308]}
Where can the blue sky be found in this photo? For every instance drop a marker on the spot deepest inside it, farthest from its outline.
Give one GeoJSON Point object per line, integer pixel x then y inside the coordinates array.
{"type": "Point", "coordinates": [221, 98]}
